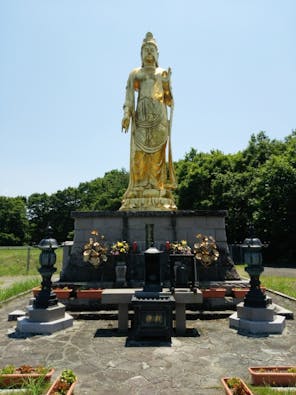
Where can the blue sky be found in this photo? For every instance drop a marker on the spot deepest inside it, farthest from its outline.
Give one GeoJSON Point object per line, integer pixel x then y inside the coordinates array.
{"type": "Point", "coordinates": [64, 66]}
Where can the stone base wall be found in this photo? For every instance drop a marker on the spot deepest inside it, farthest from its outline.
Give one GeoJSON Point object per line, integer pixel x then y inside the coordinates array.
{"type": "Point", "coordinates": [144, 227]}
{"type": "Point", "coordinates": [132, 226]}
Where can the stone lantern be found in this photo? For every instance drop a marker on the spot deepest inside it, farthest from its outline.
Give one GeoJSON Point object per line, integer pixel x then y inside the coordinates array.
{"type": "Point", "coordinates": [47, 259]}
{"type": "Point", "coordinates": [252, 253]}
{"type": "Point", "coordinates": [46, 315]}
{"type": "Point", "coordinates": [255, 316]}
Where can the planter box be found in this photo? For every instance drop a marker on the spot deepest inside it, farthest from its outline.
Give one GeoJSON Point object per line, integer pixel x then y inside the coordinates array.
{"type": "Point", "coordinates": [17, 379]}
{"type": "Point", "coordinates": [55, 385]}
{"type": "Point", "coordinates": [60, 292]}
{"type": "Point", "coordinates": [89, 293]}
{"type": "Point", "coordinates": [244, 389]}
{"type": "Point", "coordinates": [36, 291]}
{"type": "Point", "coordinates": [213, 292]}
{"type": "Point", "coordinates": [277, 376]}
{"type": "Point", "coordinates": [240, 293]}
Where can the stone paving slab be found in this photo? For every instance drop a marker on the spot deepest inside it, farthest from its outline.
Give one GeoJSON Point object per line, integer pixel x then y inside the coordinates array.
{"type": "Point", "coordinates": [104, 365]}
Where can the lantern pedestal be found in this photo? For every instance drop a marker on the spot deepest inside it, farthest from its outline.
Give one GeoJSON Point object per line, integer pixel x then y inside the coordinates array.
{"type": "Point", "coordinates": [256, 320]}
{"type": "Point", "coordinates": [45, 321]}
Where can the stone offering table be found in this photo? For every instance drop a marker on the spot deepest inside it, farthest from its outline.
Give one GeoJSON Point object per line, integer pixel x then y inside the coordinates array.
{"type": "Point", "coordinates": [183, 297]}
{"type": "Point", "coordinates": [122, 298]}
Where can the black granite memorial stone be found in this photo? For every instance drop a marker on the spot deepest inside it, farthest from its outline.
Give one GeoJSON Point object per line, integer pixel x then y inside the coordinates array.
{"type": "Point", "coordinates": [152, 270]}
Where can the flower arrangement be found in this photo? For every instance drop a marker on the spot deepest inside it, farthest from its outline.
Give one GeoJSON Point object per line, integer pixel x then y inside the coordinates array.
{"type": "Point", "coordinates": [24, 369]}
{"type": "Point", "coordinates": [64, 384]}
{"type": "Point", "coordinates": [12, 376]}
{"type": "Point", "coordinates": [95, 252]}
{"type": "Point", "coordinates": [120, 247]}
{"type": "Point", "coordinates": [235, 386]}
{"type": "Point", "coordinates": [205, 249]}
{"type": "Point", "coordinates": [180, 248]}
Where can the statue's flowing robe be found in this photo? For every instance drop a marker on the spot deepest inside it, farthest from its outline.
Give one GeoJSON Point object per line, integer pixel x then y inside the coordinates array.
{"type": "Point", "coordinates": [151, 176]}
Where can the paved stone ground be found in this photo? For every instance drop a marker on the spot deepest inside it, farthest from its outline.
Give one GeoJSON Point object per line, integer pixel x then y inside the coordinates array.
{"type": "Point", "coordinates": [104, 365]}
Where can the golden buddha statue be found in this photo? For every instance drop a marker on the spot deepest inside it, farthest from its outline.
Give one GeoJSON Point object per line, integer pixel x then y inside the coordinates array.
{"type": "Point", "coordinates": [152, 177]}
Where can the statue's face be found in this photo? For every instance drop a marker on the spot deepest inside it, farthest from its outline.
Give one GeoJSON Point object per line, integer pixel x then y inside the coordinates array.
{"type": "Point", "coordinates": [149, 55]}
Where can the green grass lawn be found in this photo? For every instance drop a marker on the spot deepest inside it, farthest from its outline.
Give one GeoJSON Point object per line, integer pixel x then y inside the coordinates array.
{"type": "Point", "coordinates": [285, 285]}
{"type": "Point", "coordinates": [271, 391]}
{"type": "Point", "coordinates": [19, 287]}
{"type": "Point", "coordinates": [15, 261]}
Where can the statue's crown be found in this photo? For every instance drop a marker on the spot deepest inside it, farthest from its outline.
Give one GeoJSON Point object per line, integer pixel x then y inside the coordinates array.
{"type": "Point", "coordinates": [149, 39]}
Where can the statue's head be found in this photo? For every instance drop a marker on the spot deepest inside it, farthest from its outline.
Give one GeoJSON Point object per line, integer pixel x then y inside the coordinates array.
{"type": "Point", "coordinates": [148, 49]}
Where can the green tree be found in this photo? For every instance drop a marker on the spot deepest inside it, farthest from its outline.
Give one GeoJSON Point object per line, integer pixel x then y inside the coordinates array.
{"type": "Point", "coordinates": [274, 204]}
{"type": "Point", "coordinates": [62, 204]}
{"type": "Point", "coordinates": [104, 193]}
{"type": "Point", "coordinates": [256, 185]}
{"type": "Point", "coordinates": [14, 223]}
{"type": "Point", "coordinates": [39, 213]}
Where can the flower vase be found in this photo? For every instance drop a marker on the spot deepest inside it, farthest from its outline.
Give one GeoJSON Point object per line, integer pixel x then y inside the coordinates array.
{"type": "Point", "coordinates": [120, 271]}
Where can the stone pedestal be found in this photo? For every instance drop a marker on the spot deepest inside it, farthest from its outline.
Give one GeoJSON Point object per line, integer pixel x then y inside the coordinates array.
{"type": "Point", "coordinates": [45, 321]}
{"type": "Point", "coordinates": [256, 320]}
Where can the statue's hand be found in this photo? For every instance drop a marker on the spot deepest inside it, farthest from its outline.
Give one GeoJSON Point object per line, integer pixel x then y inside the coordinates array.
{"type": "Point", "coordinates": [166, 75]}
{"type": "Point", "coordinates": [125, 123]}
